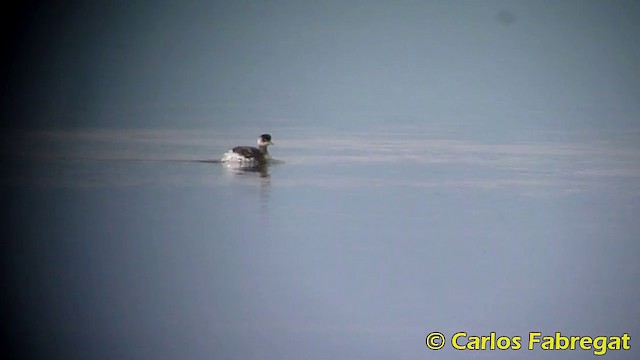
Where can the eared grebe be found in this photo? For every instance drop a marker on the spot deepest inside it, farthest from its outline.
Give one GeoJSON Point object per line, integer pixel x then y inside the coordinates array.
{"type": "Point", "coordinates": [250, 154]}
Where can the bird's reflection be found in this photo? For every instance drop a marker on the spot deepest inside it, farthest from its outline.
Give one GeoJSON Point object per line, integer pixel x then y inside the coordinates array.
{"type": "Point", "coordinates": [261, 169]}
{"type": "Point", "coordinates": [264, 183]}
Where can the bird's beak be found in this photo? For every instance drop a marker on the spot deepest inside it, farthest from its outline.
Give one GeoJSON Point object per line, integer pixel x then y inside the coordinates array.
{"type": "Point", "coordinates": [270, 143]}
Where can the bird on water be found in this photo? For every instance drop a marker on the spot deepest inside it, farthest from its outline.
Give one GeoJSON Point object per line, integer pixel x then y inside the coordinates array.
{"type": "Point", "coordinates": [249, 155]}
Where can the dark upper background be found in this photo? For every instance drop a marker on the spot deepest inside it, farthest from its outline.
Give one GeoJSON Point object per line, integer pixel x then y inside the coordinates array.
{"type": "Point", "coordinates": [213, 63]}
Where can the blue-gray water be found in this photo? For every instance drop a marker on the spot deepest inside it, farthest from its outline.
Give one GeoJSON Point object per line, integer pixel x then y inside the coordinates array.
{"type": "Point", "coordinates": [444, 166]}
{"type": "Point", "coordinates": [123, 244]}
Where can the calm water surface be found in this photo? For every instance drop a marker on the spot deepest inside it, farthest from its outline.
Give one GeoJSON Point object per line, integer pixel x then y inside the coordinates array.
{"type": "Point", "coordinates": [129, 244]}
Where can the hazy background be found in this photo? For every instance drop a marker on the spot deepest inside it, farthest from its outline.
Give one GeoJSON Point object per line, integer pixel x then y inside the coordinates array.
{"type": "Point", "coordinates": [448, 166]}
{"type": "Point", "coordinates": [198, 63]}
